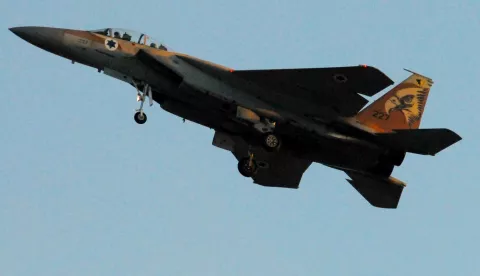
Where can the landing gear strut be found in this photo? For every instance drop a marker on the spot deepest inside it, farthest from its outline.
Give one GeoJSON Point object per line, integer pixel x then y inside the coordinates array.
{"type": "Point", "coordinates": [247, 166]}
{"type": "Point", "coordinates": [140, 117]}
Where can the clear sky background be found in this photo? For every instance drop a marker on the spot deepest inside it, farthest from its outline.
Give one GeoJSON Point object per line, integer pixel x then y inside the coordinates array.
{"type": "Point", "coordinates": [84, 190]}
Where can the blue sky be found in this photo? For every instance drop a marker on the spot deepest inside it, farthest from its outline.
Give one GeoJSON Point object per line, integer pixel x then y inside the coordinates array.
{"type": "Point", "coordinates": [84, 190]}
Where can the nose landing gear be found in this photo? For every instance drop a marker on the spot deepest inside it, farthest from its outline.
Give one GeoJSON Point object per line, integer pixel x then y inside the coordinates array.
{"type": "Point", "coordinates": [140, 117]}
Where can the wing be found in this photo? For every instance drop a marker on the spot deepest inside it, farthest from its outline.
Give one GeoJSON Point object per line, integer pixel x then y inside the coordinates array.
{"type": "Point", "coordinates": [365, 80]}
{"type": "Point", "coordinates": [276, 169]}
{"type": "Point", "coordinates": [378, 191]}
{"type": "Point", "coordinates": [315, 92]}
{"type": "Point", "coordinates": [335, 87]}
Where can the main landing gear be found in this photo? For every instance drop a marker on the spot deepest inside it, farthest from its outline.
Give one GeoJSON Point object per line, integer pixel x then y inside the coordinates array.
{"type": "Point", "coordinates": [140, 117]}
{"type": "Point", "coordinates": [247, 166]}
{"type": "Point", "coordinates": [271, 142]}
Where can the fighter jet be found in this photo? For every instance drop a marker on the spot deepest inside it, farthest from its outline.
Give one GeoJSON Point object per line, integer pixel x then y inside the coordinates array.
{"type": "Point", "coordinates": [276, 122]}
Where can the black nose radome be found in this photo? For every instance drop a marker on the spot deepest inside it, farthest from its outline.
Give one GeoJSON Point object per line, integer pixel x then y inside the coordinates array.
{"type": "Point", "coordinates": [43, 37]}
{"type": "Point", "coordinates": [25, 33]}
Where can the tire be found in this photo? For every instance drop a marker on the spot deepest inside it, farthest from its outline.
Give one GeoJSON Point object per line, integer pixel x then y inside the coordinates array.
{"type": "Point", "coordinates": [245, 169]}
{"type": "Point", "coordinates": [271, 142]}
{"type": "Point", "coordinates": [139, 118]}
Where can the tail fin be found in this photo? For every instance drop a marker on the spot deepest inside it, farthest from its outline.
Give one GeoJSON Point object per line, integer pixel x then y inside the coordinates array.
{"type": "Point", "coordinates": [400, 108]}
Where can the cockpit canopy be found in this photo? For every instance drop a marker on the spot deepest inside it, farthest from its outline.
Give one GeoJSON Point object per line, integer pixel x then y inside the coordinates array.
{"type": "Point", "coordinates": [132, 36]}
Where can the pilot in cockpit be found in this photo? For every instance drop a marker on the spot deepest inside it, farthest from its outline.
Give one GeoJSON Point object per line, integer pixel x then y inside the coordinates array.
{"type": "Point", "coordinates": [116, 35]}
{"type": "Point", "coordinates": [126, 37]}
{"type": "Point", "coordinates": [153, 45]}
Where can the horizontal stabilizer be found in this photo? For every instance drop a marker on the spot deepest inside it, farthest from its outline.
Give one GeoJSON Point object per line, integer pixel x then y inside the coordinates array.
{"type": "Point", "coordinates": [378, 191]}
{"type": "Point", "coordinates": [420, 141]}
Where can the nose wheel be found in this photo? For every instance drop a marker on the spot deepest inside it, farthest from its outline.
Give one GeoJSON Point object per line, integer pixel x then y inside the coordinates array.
{"type": "Point", "coordinates": [140, 116]}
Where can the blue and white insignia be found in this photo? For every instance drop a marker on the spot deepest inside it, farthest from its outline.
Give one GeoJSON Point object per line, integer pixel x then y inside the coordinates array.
{"type": "Point", "coordinates": [111, 44]}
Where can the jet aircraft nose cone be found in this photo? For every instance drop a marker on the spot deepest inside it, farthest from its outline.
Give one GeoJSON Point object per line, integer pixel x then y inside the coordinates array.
{"type": "Point", "coordinates": [26, 33]}
{"type": "Point", "coordinates": [22, 32]}
{"type": "Point", "coordinates": [49, 39]}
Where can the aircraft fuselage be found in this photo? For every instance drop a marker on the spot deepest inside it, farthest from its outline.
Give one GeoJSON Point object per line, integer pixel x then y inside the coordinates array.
{"type": "Point", "coordinates": [183, 86]}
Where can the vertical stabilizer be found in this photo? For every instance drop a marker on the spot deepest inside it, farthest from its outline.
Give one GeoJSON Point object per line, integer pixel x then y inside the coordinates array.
{"type": "Point", "coordinates": [400, 108]}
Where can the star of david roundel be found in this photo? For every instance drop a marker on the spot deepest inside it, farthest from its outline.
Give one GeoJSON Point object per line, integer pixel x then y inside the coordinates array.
{"type": "Point", "coordinates": [111, 44]}
{"type": "Point", "coordinates": [340, 78]}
